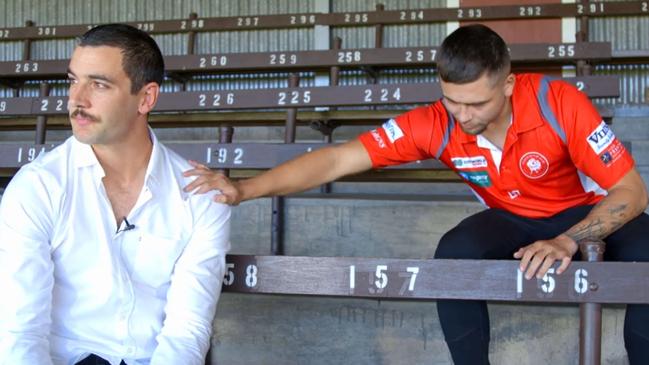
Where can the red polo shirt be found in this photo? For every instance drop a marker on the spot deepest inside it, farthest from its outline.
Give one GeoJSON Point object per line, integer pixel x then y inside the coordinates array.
{"type": "Point", "coordinates": [540, 174]}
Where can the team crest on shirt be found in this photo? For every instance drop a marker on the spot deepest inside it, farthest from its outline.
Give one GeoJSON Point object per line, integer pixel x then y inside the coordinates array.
{"type": "Point", "coordinates": [534, 165]}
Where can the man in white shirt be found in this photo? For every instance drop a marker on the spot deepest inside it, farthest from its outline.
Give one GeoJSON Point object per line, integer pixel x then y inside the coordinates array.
{"type": "Point", "coordinates": [103, 258]}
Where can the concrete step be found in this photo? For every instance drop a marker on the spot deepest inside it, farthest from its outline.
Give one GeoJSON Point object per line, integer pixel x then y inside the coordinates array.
{"type": "Point", "coordinates": [317, 330]}
{"type": "Point", "coordinates": [342, 227]}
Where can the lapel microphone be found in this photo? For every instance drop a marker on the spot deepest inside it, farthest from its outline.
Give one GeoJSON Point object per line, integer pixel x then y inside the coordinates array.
{"type": "Point", "coordinates": [129, 226]}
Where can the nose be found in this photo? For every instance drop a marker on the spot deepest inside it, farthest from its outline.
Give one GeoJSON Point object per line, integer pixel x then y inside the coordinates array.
{"type": "Point", "coordinates": [463, 114]}
{"type": "Point", "coordinates": [77, 96]}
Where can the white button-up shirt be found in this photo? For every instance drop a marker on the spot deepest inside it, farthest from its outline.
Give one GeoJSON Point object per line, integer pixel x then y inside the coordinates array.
{"type": "Point", "coordinates": [73, 283]}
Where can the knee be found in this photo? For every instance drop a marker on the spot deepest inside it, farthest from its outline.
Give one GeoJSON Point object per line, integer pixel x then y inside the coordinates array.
{"type": "Point", "coordinates": [627, 250]}
{"type": "Point", "coordinates": [459, 244]}
{"type": "Point", "coordinates": [636, 333]}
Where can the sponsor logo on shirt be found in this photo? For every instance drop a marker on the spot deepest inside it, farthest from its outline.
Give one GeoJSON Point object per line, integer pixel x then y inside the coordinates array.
{"type": "Point", "coordinates": [392, 130]}
{"type": "Point", "coordinates": [378, 138]}
{"type": "Point", "coordinates": [469, 162]}
{"type": "Point", "coordinates": [612, 153]}
{"type": "Point", "coordinates": [513, 194]}
{"type": "Point", "coordinates": [480, 178]}
{"type": "Point", "coordinates": [606, 158]}
{"type": "Point", "coordinates": [534, 165]}
{"type": "Point", "coordinates": [600, 138]}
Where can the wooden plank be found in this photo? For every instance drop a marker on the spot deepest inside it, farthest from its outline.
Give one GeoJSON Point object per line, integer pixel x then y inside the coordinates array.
{"type": "Point", "coordinates": [249, 159]}
{"type": "Point", "coordinates": [348, 19]}
{"type": "Point", "coordinates": [559, 53]}
{"type": "Point", "coordinates": [215, 155]}
{"type": "Point", "coordinates": [34, 69]}
{"type": "Point", "coordinates": [359, 95]}
{"type": "Point", "coordinates": [499, 280]}
{"type": "Point", "coordinates": [278, 118]}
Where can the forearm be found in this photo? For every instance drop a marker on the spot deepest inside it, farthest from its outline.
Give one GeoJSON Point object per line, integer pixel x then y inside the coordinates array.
{"type": "Point", "coordinates": [178, 344]}
{"type": "Point", "coordinates": [25, 314]}
{"type": "Point", "coordinates": [615, 210]}
{"type": "Point", "coordinates": [308, 171]}
{"type": "Point", "coordinates": [24, 350]}
{"type": "Point", "coordinates": [187, 329]}
{"type": "Point", "coordinates": [297, 175]}
{"type": "Point", "coordinates": [195, 289]}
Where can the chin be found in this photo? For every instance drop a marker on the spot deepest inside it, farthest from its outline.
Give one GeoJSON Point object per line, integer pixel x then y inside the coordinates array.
{"type": "Point", "coordinates": [83, 138]}
{"type": "Point", "coordinates": [473, 131]}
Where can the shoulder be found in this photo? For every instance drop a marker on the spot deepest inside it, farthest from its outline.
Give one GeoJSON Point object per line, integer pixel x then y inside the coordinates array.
{"type": "Point", "coordinates": [48, 170]}
{"type": "Point", "coordinates": [201, 205]}
{"type": "Point", "coordinates": [173, 159]}
{"type": "Point", "coordinates": [427, 113]}
{"type": "Point", "coordinates": [35, 193]}
{"type": "Point", "coordinates": [555, 87]}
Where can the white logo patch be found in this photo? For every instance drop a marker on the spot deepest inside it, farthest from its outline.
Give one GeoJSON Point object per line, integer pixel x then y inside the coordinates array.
{"type": "Point", "coordinates": [469, 162]}
{"type": "Point", "coordinates": [378, 138]}
{"type": "Point", "coordinates": [601, 138]}
{"type": "Point", "coordinates": [534, 165]}
{"type": "Point", "coordinates": [392, 130]}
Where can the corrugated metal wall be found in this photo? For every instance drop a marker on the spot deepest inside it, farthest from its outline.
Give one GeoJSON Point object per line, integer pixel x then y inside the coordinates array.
{"type": "Point", "coordinates": [624, 32]}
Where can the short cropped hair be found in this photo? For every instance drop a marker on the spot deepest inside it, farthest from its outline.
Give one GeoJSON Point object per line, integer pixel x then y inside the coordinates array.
{"type": "Point", "coordinates": [471, 51]}
{"type": "Point", "coordinates": [141, 57]}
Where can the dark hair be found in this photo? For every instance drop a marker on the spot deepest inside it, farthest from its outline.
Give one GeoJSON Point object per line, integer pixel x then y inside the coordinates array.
{"type": "Point", "coordinates": [470, 51]}
{"type": "Point", "coordinates": [141, 58]}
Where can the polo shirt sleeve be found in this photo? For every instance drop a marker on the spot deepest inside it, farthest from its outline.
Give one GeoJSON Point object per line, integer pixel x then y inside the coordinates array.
{"type": "Point", "coordinates": [592, 145]}
{"type": "Point", "coordinates": [411, 136]}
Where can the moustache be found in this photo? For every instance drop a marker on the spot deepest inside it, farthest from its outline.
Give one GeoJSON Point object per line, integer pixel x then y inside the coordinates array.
{"type": "Point", "coordinates": [83, 114]}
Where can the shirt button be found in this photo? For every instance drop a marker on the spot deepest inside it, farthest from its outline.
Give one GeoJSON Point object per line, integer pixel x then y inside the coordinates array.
{"type": "Point", "coordinates": [130, 351]}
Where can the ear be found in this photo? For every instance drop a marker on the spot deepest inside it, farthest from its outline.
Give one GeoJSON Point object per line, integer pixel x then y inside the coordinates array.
{"type": "Point", "coordinates": [149, 97]}
{"type": "Point", "coordinates": [508, 86]}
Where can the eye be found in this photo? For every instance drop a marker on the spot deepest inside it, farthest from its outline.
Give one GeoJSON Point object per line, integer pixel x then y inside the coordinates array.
{"type": "Point", "coordinates": [100, 85]}
{"type": "Point", "coordinates": [478, 106]}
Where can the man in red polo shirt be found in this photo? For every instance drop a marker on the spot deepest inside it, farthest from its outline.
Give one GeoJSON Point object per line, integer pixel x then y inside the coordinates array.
{"type": "Point", "coordinates": [534, 151]}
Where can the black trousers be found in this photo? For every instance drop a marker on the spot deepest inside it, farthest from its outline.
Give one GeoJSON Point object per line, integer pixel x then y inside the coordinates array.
{"type": "Point", "coordinates": [95, 360]}
{"type": "Point", "coordinates": [497, 234]}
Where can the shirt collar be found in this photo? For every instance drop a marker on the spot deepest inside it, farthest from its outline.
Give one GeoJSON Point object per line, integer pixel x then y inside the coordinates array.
{"type": "Point", "coordinates": [84, 156]}
{"type": "Point", "coordinates": [485, 143]}
{"type": "Point", "coordinates": [524, 105]}
{"type": "Point", "coordinates": [155, 169]}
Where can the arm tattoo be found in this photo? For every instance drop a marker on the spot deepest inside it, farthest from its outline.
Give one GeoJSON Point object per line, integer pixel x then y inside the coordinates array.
{"type": "Point", "coordinates": [592, 229]}
{"type": "Point", "coordinates": [606, 221]}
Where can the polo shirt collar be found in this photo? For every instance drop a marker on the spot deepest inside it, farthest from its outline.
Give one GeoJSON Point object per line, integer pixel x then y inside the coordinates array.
{"type": "Point", "coordinates": [524, 109]}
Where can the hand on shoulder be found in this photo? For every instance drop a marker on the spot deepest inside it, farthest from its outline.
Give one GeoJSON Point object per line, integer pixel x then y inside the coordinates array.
{"type": "Point", "coordinates": [208, 180]}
